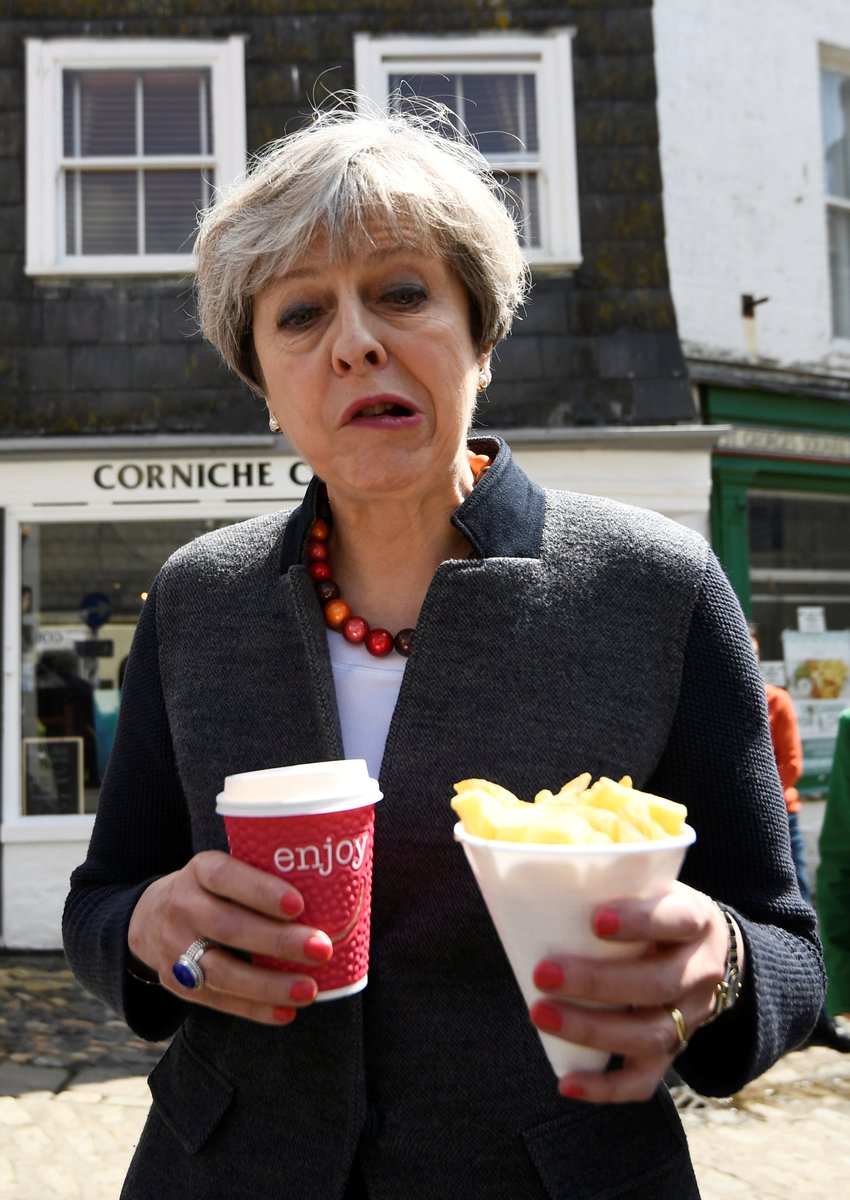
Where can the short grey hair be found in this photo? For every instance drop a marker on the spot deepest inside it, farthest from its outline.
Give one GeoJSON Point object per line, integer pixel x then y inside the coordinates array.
{"type": "Point", "coordinates": [409, 174]}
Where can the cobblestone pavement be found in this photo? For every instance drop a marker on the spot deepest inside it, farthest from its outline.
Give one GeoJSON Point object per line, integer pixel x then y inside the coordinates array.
{"type": "Point", "coordinates": [73, 1099]}
{"type": "Point", "coordinates": [73, 1091]}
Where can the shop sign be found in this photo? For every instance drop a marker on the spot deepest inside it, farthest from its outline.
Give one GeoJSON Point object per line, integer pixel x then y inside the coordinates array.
{"type": "Point", "coordinates": [786, 442]}
{"type": "Point", "coordinates": [155, 479]}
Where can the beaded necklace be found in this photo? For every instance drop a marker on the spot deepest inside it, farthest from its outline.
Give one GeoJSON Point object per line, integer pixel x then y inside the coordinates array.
{"type": "Point", "coordinates": [337, 612]}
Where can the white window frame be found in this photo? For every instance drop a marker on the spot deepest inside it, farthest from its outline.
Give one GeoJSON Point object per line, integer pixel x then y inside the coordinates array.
{"type": "Point", "coordinates": [837, 60]}
{"type": "Point", "coordinates": [548, 56]}
{"type": "Point", "coordinates": [45, 62]}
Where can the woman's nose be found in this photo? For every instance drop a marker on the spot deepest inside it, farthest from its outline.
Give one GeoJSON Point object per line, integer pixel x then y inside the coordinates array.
{"type": "Point", "coordinates": [357, 344]}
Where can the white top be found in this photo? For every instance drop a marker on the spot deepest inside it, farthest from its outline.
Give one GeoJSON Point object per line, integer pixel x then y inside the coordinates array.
{"type": "Point", "coordinates": [366, 693]}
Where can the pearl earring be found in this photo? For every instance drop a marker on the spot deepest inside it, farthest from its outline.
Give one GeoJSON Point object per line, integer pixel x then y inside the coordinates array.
{"type": "Point", "coordinates": [274, 426]}
{"type": "Point", "coordinates": [483, 379]}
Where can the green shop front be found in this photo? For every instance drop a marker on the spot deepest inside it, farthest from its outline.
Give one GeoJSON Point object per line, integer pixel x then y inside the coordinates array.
{"type": "Point", "coordinates": [780, 523]}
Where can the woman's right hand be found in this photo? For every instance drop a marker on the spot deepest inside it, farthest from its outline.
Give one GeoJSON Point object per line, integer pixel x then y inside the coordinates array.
{"type": "Point", "coordinates": [217, 896]}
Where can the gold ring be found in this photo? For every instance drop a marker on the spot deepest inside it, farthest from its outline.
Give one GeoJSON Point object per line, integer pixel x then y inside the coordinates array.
{"type": "Point", "coordinates": [681, 1032]}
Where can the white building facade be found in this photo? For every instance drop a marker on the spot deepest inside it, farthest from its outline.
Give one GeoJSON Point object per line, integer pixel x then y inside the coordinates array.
{"type": "Point", "coordinates": [754, 124]}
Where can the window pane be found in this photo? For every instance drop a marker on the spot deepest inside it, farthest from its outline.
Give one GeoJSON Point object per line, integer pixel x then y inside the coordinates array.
{"type": "Point", "coordinates": [99, 112]}
{"type": "Point", "coordinates": [497, 115]}
{"type": "Point", "coordinates": [524, 192]}
{"type": "Point", "coordinates": [839, 270]}
{"type": "Point", "coordinates": [105, 217]}
{"type": "Point", "coordinates": [499, 110]}
{"type": "Point", "coordinates": [172, 201]}
{"type": "Point", "coordinates": [799, 555]}
{"type": "Point", "coordinates": [177, 112]}
{"type": "Point", "coordinates": [835, 96]}
{"type": "Point", "coordinates": [442, 88]}
{"type": "Point", "coordinates": [72, 662]}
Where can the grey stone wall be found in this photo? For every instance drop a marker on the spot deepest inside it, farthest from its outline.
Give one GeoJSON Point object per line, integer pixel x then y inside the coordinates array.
{"type": "Point", "coordinates": [597, 346]}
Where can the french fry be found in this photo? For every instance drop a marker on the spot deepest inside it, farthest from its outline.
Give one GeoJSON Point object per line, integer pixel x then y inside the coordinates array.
{"type": "Point", "coordinates": [605, 811]}
{"type": "Point", "coordinates": [569, 792]}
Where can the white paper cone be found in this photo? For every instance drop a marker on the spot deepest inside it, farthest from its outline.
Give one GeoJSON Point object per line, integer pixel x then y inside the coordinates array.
{"type": "Point", "coordinates": [541, 898]}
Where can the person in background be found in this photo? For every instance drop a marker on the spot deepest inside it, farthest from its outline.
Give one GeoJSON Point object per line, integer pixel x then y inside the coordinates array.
{"type": "Point", "coordinates": [788, 751]}
{"type": "Point", "coordinates": [833, 875]}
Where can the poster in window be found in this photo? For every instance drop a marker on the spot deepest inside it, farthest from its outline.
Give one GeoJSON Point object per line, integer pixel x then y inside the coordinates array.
{"type": "Point", "coordinates": [817, 668]}
{"type": "Point", "coordinates": [53, 776]}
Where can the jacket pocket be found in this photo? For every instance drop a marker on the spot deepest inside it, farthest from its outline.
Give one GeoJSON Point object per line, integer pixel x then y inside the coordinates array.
{"type": "Point", "coordinates": [614, 1152]}
{"type": "Point", "coordinates": [189, 1094]}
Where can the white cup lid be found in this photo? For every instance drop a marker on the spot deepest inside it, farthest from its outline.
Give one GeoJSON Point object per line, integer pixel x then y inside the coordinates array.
{"type": "Point", "coordinates": [306, 787]}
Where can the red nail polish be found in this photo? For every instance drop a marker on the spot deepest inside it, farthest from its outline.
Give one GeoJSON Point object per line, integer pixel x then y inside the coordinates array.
{"type": "Point", "coordinates": [318, 946]}
{"type": "Point", "coordinates": [291, 904]}
{"type": "Point", "coordinates": [548, 975]}
{"type": "Point", "coordinates": [571, 1091]}
{"type": "Point", "coordinates": [546, 1017]}
{"type": "Point", "coordinates": [284, 1014]}
{"type": "Point", "coordinates": [303, 990]}
{"type": "Point", "coordinates": [606, 923]}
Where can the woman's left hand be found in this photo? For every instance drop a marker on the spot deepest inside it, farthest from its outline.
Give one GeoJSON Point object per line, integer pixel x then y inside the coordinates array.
{"type": "Point", "coordinates": [683, 961]}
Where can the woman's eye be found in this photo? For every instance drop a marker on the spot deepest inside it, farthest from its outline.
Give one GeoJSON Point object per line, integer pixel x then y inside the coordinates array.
{"type": "Point", "coordinates": [406, 297]}
{"type": "Point", "coordinates": [297, 318]}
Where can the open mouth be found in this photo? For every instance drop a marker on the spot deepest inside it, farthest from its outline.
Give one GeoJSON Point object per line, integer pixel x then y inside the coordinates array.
{"type": "Point", "coordinates": [383, 410]}
{"type": "Point", "coordinates": [380, 408]}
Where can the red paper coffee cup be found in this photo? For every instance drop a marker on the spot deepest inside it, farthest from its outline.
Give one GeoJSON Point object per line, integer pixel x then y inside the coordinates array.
{"type": "Point", "coordinates": [313, 825]}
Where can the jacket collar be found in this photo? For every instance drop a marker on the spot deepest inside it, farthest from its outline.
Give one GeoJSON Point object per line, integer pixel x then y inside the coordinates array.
{"type": "Point", "coordinates": [502, 517]}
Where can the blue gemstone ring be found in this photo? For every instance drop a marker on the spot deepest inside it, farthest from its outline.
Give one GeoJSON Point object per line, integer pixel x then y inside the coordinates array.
{"type": "Point", "coordinates": [187, 970]}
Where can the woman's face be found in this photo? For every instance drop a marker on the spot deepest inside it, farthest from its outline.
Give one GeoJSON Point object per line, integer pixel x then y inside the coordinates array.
{"type": "Point", "coordinates": [370, 368]}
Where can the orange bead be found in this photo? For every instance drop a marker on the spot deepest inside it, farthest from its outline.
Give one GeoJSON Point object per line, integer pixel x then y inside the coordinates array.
{"type": "Point", "coordinates": [479, 463]}
{"type": "Point", "coordinates": [336, 611]}
{"type": "Point", "coordinates": [320, 530]}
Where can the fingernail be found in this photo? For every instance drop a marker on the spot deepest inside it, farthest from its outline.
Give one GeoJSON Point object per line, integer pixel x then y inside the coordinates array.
{"type": "Point", "coordinates": [571, 1091]}
{"type": "Point", "coordinates": [606, 922]}
{"type": "Point", "coordinates": [284, 1014]}
{"type": "Point", "coordinates": [548, 975]}
{"type": "Point", "coordinates": [303, 990]}
{"type": "Point", "coordinates": [319, 947]}
{"type": "Point", "coordinates": [291, 904]}
{"type": "Point", "coordinates": [546, 1017]}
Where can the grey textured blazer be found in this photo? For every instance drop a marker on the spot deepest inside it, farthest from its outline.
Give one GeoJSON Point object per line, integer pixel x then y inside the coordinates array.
{"type": "Point", "coordinates": [583, 635]}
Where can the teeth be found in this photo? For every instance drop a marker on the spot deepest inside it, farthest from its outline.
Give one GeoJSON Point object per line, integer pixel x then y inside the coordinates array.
{"type": "Point", "coordinates": [376, 410]}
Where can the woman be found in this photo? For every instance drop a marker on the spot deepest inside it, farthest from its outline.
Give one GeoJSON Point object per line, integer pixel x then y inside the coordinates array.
{"type": "Point", "coordinates": [359, 280]}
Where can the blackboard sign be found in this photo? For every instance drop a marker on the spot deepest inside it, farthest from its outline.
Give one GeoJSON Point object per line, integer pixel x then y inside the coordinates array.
{"type": "Point", "coordinates": [95, 648]}
{"type": "Point", "coordinates": [53, 776]}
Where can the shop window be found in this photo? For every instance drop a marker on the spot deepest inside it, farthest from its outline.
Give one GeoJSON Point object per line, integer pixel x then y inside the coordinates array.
{"type": "Point", "coordinates": [800, 593]}
{"type": "Point", "coordinates": [512, 95]}
{"type": "Point", "coordinates": [799, 558]}
{"type": "Point", "coordinates": [835, 96]}
{"type": "Point", "coordinates": [126, 142]}
{"type": "Point", "coordinates": [82, 589]}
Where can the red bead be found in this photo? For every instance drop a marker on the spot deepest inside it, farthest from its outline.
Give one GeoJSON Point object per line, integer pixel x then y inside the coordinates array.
{"type": "Point", "coordinates": [379, 642]}
{"type": "Point", "coordinates": [317, 551]}
{"type": "Point", "coordinates": [355, 630]}
{"type": "Point", "coordinates": [327, 589]}
{"type": "Point", "coordinates": [337, 611]}
{"type": "Point", "coordinates": [402, 642]}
